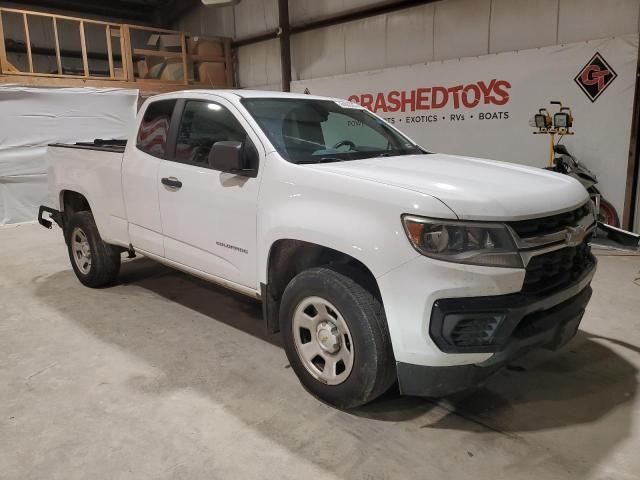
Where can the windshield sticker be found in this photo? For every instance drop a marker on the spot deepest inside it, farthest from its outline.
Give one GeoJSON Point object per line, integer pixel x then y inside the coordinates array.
{"type": "Point", "coordinates": [348, 104]}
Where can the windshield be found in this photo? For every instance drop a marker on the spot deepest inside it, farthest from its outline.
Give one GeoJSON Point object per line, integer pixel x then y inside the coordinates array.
{"type": "Point", "coordinates": [316, 131]}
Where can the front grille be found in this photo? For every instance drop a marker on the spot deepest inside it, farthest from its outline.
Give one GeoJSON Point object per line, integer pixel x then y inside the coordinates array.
{"type": "Point", "coordinates": [557, 269]}
{"type": "Point", "coordinates": [543, 226]}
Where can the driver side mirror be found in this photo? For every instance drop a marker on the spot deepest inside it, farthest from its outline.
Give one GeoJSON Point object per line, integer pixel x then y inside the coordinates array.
{"type": "Point", "coordinates": [233, 157]}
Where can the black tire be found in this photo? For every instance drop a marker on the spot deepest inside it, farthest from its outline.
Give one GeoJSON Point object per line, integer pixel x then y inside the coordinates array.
{"type": "Point", "coordinates": [373, 370]}
{"type": "Point", "coordinates": [105, 259]}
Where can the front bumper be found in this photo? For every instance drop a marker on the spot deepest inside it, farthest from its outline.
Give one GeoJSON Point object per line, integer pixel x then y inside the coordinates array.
{"type": "Point", "coordinates": [451, 325]}
{"type": "Point", "coordinates": [489, 324]}
{"type": "Point", "coordinates": [528, 322]}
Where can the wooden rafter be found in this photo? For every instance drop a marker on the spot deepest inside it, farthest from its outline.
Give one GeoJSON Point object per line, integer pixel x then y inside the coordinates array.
{"type": "Point", "coordinates": [107, 31]}
{"type": "Point", "coordinates": [83, 45]}
{"type": "Point", "coordinates": [55, 35]}
{"type": "Point", "coordinates": [28, 41]}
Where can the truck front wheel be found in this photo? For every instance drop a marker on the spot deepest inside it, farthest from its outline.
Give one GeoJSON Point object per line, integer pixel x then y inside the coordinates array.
{"type": "Point", "coordinates": [336, 338]}
{"type": "Point", "coordinates": [95, 262]}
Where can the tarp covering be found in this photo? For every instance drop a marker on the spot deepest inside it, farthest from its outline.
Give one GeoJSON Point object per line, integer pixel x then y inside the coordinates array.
{"type": "Point", "coordinates": [31, 118]}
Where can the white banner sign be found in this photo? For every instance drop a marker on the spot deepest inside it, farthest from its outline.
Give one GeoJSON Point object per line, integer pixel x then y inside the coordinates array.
{"type": "Point", "coordinates": [483, 106]}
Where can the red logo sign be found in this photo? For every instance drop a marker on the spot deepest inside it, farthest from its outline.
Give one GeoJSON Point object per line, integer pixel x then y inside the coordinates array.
{"type": "Point", "coordinates": [595, 77]}
{"type": "Point", "coordinates": [493, 92]}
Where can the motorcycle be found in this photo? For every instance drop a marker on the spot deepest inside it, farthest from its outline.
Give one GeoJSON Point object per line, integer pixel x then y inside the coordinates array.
{"type": "Point", "coordinates": [567, 164]}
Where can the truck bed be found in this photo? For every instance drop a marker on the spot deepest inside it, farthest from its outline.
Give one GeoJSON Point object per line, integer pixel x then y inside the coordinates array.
{"type": "Point", "coordinates": [92, 169]}
{"type": "Point", "coordinates": [114, 146]}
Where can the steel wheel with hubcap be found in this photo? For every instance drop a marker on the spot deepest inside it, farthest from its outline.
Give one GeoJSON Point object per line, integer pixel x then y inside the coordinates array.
{"type": "Point", "coordinates": [335, 335]}
{"type": "Point", "coordinates": [323, 340]}
{"type": "Point", "coordinates": [81, 250]}
{"type": "Point", "coordinates": [95, 262]}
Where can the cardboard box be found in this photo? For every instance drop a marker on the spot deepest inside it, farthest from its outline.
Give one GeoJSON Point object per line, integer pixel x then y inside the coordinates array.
{"type": "Point", "coordinates": [212, 74]}
{"type": "Point", "coordinates": [165, 41]}
{"type": "Point", "coordinates": [206, 47]}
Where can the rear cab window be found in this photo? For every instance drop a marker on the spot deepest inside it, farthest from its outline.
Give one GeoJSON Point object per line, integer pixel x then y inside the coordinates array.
{"type": "Point", "coordinates": [154, 128]}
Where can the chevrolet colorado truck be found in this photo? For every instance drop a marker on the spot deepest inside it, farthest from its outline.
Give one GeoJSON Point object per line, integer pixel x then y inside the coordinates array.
{"type": "Point", "coordinates": [377, 260]}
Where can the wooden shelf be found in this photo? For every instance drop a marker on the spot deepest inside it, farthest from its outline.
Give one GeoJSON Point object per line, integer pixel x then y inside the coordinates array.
{"type": "Point", "coordinates": [133, 62]}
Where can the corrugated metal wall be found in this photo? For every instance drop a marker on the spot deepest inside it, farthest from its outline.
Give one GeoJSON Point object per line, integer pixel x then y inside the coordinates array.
{"type": "Point", "coordinates": [442, 30]}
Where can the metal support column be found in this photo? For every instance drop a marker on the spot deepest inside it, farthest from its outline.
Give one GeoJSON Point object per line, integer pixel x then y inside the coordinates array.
{"type": "Point", "coordinates": [284, 32]}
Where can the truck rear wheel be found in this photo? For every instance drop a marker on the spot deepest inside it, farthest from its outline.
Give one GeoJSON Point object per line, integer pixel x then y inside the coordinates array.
{"type": "Point", "coordinates": [336, 338]}
{"type": "Point", "coordinates": [95, 262]}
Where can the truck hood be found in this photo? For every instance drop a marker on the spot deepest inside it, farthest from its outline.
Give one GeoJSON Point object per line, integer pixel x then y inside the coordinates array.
{"type": "Point", "coordinates": [475, 189]}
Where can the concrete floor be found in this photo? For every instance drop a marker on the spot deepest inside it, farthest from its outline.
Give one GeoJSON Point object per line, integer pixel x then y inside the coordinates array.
{"type": "Point", "coordinates": [165, 376]}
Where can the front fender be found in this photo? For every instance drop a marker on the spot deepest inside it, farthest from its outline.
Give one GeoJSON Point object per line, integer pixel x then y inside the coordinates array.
{"type": "Point", "coordinates": [358, 217]}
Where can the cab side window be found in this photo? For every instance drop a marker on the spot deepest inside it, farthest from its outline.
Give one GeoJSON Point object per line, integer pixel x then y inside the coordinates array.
{"type": "Point", "coordinates": [203, 124]}
{"type": "Point", "coordinates": [154, 128]}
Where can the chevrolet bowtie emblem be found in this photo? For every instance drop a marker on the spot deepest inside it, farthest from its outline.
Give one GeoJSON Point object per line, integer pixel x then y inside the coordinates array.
{"type": "Point", "coordinates": [575, 235]}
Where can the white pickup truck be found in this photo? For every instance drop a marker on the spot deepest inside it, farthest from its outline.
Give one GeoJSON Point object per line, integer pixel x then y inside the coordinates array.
{"type": "Point", "coordinates": [377, 260]}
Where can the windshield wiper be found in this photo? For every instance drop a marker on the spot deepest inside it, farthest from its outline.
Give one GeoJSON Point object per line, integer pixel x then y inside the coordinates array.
{"type": "Point", "coordinates": [320, 160]}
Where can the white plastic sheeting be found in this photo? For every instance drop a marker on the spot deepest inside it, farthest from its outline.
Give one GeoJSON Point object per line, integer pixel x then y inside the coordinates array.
{"type": "Point", "coordinates": [31, 118]}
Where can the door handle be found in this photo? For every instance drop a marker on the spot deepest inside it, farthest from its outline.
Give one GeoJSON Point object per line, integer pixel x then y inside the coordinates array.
{"type": "Point", "coordinates": [172, 182]}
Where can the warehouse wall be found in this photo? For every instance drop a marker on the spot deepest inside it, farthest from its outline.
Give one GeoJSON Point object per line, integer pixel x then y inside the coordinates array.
{"type": "Point", "coordinates": [441, 30]}
{"type": "Point", "coordinates": [209, 21]}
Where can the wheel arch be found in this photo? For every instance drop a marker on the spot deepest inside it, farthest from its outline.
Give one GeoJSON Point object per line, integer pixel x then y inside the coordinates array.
{"type": "Point", "coordinates": [72, 201]}
{"type": "Point", "coordinates": [288, 257]}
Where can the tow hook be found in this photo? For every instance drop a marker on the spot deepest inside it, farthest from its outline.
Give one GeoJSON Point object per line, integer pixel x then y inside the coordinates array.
{"type": "Point", "coordinates": [54, 215]}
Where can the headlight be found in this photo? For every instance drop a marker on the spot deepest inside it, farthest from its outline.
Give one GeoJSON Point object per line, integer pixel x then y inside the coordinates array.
{"type": "Point", "coordinates": [475, 243]}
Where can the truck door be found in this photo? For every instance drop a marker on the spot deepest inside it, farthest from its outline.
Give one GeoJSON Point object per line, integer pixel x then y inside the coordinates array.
{"type": "Point", "coordinates": [209, 217]}
{"type": "Point", "coordinates": [140, 176]}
